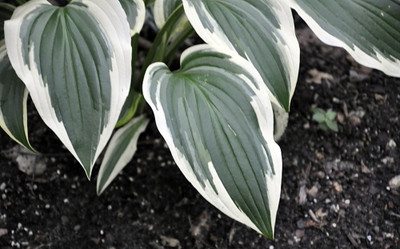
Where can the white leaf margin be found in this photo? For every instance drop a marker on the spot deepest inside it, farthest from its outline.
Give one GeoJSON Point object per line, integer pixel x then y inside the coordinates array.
{"type": "Point", "coordinates": [263, 109]}
{"type": "Point", "coordinates": [126, 156]}
{"type": "Point", "coordinates": [159, 11]}
{"type": "Point", "coordinates": [3, 125]}
{"type": "Point", "coordinates": [112, 18]}
{"type": "Point", "coordinates": [139, 18]}
{"type": "Point", "coordinates": [389, 67]}
{"type": "Point", "coordinates": [218, 40]}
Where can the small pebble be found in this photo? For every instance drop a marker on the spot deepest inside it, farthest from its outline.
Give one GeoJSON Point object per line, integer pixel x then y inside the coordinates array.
{"type": "Point", "coordinates": [394, 183]}
{"type": "Point", "coordinates": [3, 232]}
{"type": "Point", "coordinates": [391, 144]}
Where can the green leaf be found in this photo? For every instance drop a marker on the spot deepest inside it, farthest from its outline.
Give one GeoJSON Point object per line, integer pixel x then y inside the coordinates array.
{"type": "Point", "coordinates": [323, 126]}
{"type": "Point", "coordinates": [168, 40]}
{"type": "Point", "coordinates": [367, 29]}
{"type": "Point", "coordinates": [318, 110]}
{"type": "Point", "coordinates": [129, 109]}
{"type": "Point", "coordinates": [330, 115]}
{"type": "Point", "coordinates": [136, 14]}
{"type": "Point", "coordinates": [149, 3]}
{"type": "Point", "coordinates": [78, 80]}
{"type": "Point", "coordinates": [259, 31]}
{"type": "Point", "coordinates": [163, 10]}
{"type": "Point", "coordinates": [6, 11]}
{"type": "Point", "coordinates": [121, 149]}
{"type": "Point", "coordinates": [319, 117]}
{"type": "Point", "coordinates": [332, 125]}
{"type": "Point", "coordinates": [13, 102]}
{"type": "Point", "coordinates": [216, 117]}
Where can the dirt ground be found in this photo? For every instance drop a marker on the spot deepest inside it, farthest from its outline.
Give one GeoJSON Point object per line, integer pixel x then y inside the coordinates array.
{"type": "Point", "coordinates": [336, 190]}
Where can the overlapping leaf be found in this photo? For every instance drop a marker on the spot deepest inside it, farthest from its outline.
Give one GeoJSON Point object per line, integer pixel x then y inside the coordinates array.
{"type": "Point", "coordinates": [13, 101]}
{"type": "Point", "coordinates": [121, 149]}
{"type": "Point", "coordinates": [130, 107]}
{"type": "Point", "coordinates": [136, 14]}
{"type": "Point", "coordinates": [163, 9]}
{"type": "Point", "coordinates": [75, 62]}
{"type": "Point", "coordinates": [216, 118]}
{"type": "Point", "coordinates": [368, 29]}
{"type": "Point", "coordinates": [260, 31]}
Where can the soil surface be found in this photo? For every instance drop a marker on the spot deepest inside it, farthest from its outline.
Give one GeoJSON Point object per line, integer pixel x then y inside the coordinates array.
{"type": "Point", "coordinates": [336, 192]}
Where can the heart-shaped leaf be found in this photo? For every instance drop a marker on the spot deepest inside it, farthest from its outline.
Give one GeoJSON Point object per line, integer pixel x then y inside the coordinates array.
{"type": "Point", "coordinates": [216, 117]}
{"type": "Point", "coordinates": [75, 61]}
{"type": "Point", "coordinates": [259, 31]}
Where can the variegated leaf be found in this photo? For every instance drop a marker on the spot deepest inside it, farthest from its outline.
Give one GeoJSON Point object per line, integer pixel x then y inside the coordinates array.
{"type": "Point", "coordinates": [215, 115]}
{"type": "Point", "coordinates": [13, 101]}
{"type": "Point", "coordinates": [261, 31]}
{"type": "Point", "coordinates": [130, 107]}
{"type": "Point", "coordinates": [163, 9]}
{"type": "Point", "coordinates": [75, 61]}
{"type": "Point", "coordinates": [136, 13]}
{"type": "Point", "coordinates": [121, 149]}
{"type": "Point", "coordinates": [368, 29]}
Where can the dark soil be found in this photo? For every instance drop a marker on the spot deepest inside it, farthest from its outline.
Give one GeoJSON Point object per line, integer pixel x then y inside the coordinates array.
{"type": "Point", "coordinates": [335, 191]}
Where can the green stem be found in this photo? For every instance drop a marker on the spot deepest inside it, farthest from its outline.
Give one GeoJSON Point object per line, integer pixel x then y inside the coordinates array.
{"type": "Point", "coordinates": [148, 2]}
{"type": "Point", "coordinates": [160, 40]}
{"type": "Point", "coordinates": [174, 46]}
{"type": "Point", "coordinates": [20, 2]}
{"type": "Point", "coordinates": [135, 85]}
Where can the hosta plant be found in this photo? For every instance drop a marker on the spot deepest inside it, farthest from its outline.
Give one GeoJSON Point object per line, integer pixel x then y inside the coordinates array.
{"type": "Point", "coordinates": [76, 60]}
